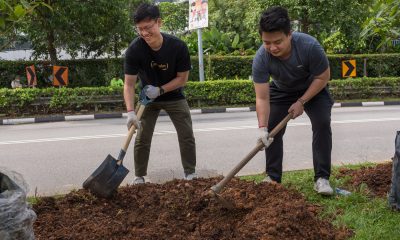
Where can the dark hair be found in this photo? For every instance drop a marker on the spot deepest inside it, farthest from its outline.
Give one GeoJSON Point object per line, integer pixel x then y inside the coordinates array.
{"type": "Point", "coordinates": [146, 11]}
{"type": "Point", "coordinates": [275, 19]}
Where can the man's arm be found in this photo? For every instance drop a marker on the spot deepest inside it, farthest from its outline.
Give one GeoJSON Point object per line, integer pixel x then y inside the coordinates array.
{"type": "Point", "coordinates": [129, 91]}
{"type": "Point", "coordinates": [179, 81]}
{"type": "Point", "coordinates": [316, 86]}
{"type": "Point", "coordinates": [262, 103]}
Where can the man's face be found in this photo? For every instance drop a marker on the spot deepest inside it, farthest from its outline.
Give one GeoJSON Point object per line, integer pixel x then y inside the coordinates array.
{"type": "Point", "coordinates": [149, 29]}
{"type": "Point", "coordinates": [277, 43]}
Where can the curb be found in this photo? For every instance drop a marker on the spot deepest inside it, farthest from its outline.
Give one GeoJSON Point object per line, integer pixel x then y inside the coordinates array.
{"type": "Point", "coordinates": [61, 118]}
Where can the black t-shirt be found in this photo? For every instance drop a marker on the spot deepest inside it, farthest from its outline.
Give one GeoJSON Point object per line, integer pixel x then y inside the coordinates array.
{"type": "Point", "coordinates": [158, 67]}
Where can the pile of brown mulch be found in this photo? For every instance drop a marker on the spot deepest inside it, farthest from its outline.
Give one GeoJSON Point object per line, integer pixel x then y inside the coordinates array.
{"type": "Point", "coordinates": [182, 210]}
{"type": "Point", "coordinates": [378, 178]}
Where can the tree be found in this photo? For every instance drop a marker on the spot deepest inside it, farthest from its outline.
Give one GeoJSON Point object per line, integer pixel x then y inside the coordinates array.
{"type": "Point", "coordinates": [175, 17]}
{"type": "Point", "coordinates": [384, 24]}
{"type": "Point", "coordinates": [89, 27]}
{"type": "Point", "coordinates": [230, 18]}
{"type": "Point", "coordinates": [325, 18]}
{"type": "Point", "coordinates": [321, 19]}
{"type": "Point", "coordinates": [12, 14]}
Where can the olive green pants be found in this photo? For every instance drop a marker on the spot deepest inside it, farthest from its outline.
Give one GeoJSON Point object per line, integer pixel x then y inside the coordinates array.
{"type": "Point", "coordinates": [179, 114]}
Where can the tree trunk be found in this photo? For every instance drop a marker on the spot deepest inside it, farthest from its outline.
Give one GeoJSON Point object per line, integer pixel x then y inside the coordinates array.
{"type": "Point", "coordinates": [50, 46]}
{"type": "Point", "coordinates": [305, 24]}
{"type": "Point", "coordinates": [115, 48]}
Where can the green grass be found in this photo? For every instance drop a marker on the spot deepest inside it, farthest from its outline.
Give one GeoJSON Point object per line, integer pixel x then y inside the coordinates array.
{"type": "Point", "coordinates": [369, 218]}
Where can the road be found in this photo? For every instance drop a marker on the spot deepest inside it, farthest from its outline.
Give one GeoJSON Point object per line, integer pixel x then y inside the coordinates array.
{"type": "Point", "coordinates": [57, 157]}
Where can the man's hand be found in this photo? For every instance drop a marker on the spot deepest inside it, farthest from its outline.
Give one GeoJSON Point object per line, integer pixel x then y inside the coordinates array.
{"type": "Point", "coordinates": [264, 137]}
{"type": "Point", "coordinates": [152, 92]}
{"type": "Point", "coordinates": [132, 120]}
{"type": "Point", "coordinates": [297, 108]}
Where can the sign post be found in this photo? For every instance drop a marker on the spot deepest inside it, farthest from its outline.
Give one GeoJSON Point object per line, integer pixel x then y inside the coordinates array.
{"type": "Point", "coordinates": [198, 19]}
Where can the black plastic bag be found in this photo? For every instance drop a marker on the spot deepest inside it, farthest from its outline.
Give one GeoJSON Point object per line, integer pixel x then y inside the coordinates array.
{"type": "Point", "coordinates": [16, 215]}
{"type": "Point", "coordinates": [394, 194]}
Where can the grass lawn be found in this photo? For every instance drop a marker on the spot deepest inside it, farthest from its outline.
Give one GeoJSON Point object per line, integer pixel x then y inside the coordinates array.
{"type": "Point", "coordinates": [369, 218]}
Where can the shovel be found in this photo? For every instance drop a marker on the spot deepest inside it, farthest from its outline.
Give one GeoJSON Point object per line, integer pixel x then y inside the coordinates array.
{"type": "Point", "coordinates": [216, 189]}
{"type": "Point", "coordinates": [104, 181]}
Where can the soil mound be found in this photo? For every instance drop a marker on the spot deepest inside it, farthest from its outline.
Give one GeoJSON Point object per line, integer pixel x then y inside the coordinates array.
{"type": "Point", "coordinates": [378, 178]}
{"type": "Point", "coordinates": [182, 210]}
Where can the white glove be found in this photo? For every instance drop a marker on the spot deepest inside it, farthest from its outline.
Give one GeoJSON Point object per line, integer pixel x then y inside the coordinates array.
{"type": "Point", "coordinates": [152, 92]}
{"type": "Point", "coordinates": [132, 120]}
{"type": "Point", "coordinates": [264, 137]}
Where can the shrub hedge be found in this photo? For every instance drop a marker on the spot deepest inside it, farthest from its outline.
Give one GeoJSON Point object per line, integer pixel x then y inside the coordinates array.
{"type": "Point", "coordinates": [98, 72]}
{"type": "Point", "coordinates": [199, 94]}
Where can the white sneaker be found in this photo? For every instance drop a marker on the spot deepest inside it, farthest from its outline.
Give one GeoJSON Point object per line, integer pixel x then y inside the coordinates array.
{"type": "Point", "coordinates": [190, 176]}
{"type": "Point", "coordinates": [323, 187]}
{"type": "Point", "coordinates": [268, 179]}
{"type": "Point", "coordinates": [138, 180]}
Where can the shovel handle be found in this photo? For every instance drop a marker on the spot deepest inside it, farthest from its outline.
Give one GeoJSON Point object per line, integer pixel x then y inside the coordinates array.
{"type": "Point", "coordinates": [139, 111]}
{"type": "Point", "coordinates": [260, 145]}
{"type": "Point", "coordinates": [132, 130]}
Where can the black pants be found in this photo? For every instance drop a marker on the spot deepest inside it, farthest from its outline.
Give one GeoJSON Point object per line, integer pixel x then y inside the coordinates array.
{"type": "Point", "coordinates": [318, 110]}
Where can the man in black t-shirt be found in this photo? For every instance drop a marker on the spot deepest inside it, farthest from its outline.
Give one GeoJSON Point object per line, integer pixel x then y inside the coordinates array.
{"type": "Point", "coordinates": [299, 72]}
{"type": "Point", "coordinates": [161, 62]}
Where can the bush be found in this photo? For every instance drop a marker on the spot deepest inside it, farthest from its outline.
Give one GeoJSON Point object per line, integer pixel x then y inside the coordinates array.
{"type": "Point", "coordinates": [98, 72]}
{"type": "Point", "coordinates": [198, 94]}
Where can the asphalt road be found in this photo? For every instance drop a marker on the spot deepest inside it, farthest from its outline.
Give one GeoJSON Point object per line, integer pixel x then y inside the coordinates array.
{"type": "Point", "coordinates": [57, 157]}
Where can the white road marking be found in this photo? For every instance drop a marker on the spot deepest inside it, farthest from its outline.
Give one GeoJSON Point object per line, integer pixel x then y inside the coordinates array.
{"type": "Point", "coordinates": [291, 124]}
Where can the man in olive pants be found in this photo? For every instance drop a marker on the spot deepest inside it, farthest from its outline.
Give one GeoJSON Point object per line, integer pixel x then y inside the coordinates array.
{"type": "Point", "coordinates": [162, 63]}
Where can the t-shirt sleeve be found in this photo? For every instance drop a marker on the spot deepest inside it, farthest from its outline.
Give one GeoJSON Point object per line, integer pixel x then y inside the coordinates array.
{"type": "Point", "coordinates": [183, 63]}
{"type": "Point", "coordinates": [318, 59]}
{"type": "Point", "coordinates": [131, 63]}
{"type": "Point", "coordinates": [260, 71]}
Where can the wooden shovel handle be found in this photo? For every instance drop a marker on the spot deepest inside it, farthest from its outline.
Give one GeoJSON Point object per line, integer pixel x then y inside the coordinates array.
{"type": "Point", "coordinates": [132, 130]}
{"type": "Point", "coordinates": [260, 145]}
{"type": "Point", "coordinates": [280, 125]}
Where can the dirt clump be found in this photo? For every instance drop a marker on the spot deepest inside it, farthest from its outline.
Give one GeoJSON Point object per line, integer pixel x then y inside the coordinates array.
{"type": "Point", "coordinates": [378, 178]}
{"type": "Point", "coordinates": [182, 210]}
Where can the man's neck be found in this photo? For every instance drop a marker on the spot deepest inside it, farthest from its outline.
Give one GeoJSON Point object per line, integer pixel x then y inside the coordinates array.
{"type": "Point", "coordinates": [157, 44]}
{"type": "Point", "coordinates": [287, 54]}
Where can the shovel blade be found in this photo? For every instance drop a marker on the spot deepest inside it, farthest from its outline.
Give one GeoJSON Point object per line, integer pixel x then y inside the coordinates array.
{"type": "Point", "coordinates": [106, 179]}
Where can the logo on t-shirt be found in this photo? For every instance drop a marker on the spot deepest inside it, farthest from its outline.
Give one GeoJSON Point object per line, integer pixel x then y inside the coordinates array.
{"type": "Point", "coordinates": [159, 66]}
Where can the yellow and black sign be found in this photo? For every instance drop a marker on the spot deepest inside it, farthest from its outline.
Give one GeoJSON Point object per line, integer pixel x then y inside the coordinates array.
{"type": "Point", "coordinates": [31, 76]}
{"type": "Point", "coordinates": [60, 76]}
{"type": "Point", "coordinates": [349, 68]}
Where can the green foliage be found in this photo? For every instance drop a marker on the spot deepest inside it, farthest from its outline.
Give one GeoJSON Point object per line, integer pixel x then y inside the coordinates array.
{"type": "Point", "coordinates": [384, 24]}
{"type": "Point", "coordinates": [199, 94]}
{"type": "Point", "coordinates": [216, 42]}
{"type": "Point", "coordinates": [377, 65]}
{"type": "Point", "coordinates": [55, 100]}
{"type": "Point", "coordinates": [220, 92]}
{"type": "Point", "coordinates": [80, 26]}
{"type": "Point", "coordinates": [336, 43]}
{"type": "Point", "coordinates": [82, 72]}
{"type": "Point", "coordinates": [220, 67]}
{"type": "Point", "coordinates": [175, 17]}
{"type": "Point", "coordinates": [320, 19]}
{"type": "Point", "coordinates": [98, 72]}
{"type": "Point", "coordinates": [364, 88]}
{"type": "Point", "coordinates": [230, 19]}
{"type": "Point", "coordinates": [323, 18]}
{"type": "Point", "coordinates": [12, 15]}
